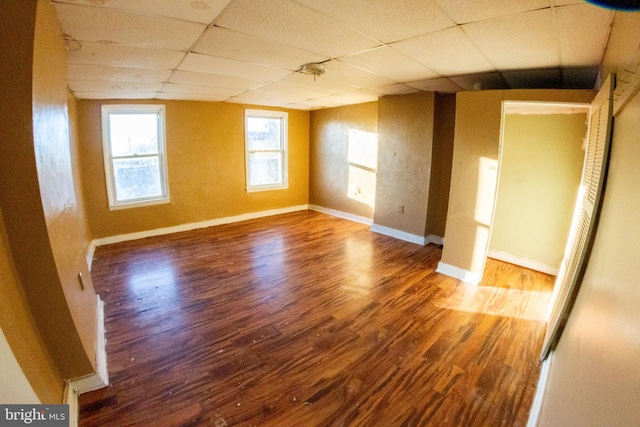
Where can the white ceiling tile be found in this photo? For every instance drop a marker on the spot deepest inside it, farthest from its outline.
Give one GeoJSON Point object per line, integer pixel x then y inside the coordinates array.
{"type": "Point", "coordinates": [262, 98]}
{"type": "Point", "coordinates": [579, 26]}
{"type": "Point", "coordinates": [205, 90]}
{"type": "Point", "coordinates": [320, 84]}
{"type": "Point", "coordinates": [363, 95]}
{"type": "Point", "coordinates": [442, 85]}
{"type": "Point", "coordinates": [525, 40]}
{"type": "Point", "coordinates": [318, 103]}
{"type": "Point", "coordinates": [125, 56]}
{"type": "Point", "coordinates": [465, 11]}
{"type": "Point", "coordinates": [191, 97]}
{"type": "Point", "coordinates": [295, 24]}
{"type": "Point", "coordinates": [229, 67]}
{"type": "Point", "coordinates": [298, 106]}
{"type": "Point", "coordinates": [529, 79]}
{"type": "Point", "coordinates": [290, 90]}
{"type": "Point", "coordinates": [123, 74]}
{"type": "Point", "coordinates": [340, 72]}
{"type": "Point", "coordinates": [85, 23]}
{"type": "Point", "coordinates": [118, 94]}
{"type": "Point", "coordinates": [487, 81]}
{"type": "Point", "coordinates": [203, 11]}
{"type": "Point", "coordinates": [394, 89]}
{"type": "Point", "coordinates": [344, 99]}
{"type": "Point", "coordinates": [216, 80]}
{"type": "Point", "coordinates": [104, 86]}
{"type": "Point", "coordinates": [390, 63]}
{"type": "Point", "coordinates": [245, 47]}
{"type": "Point", "coordinates": [386, 21]}
{"type": "Point", "coordinates": [566, 2]}
{"type": "Point", "coordinates": [447, 52]}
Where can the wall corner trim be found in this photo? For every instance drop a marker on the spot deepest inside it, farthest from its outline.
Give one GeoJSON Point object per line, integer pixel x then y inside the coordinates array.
{"type": "Point", "coordinates": [459, 273]}
{"type": "Point", "coordinates": [94, 381]}
{"type": "Point", "coordinates": [340, 214]}
{"type": "Point", "coordinates": [402, 235]}
{"type": "Point", "coordinates": [541, 388]}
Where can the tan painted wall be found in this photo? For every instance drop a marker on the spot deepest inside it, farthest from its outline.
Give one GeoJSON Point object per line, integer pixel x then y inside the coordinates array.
{"type": "Point", "coordinates": [329, 167]}
{"type": "Point", "coordinates": [594, 379]}
{"type": "Point", "coordinates": [42, 245]}
{"type": "Point", "coordinates": [14, 386]}
{"type": "Point", "coordinates": [22, 333]}
{"type": "Point", "coordinates": [205, 155]}
{"type": "Point", "coordinates": [540, 172]}
{"type": "Point", "coordinates": [405, 135]}
{"type": "Point", "coordinates": [442, 157]}
{"type": "Point", "coordinates": [474, 171]}
{"type": "Point", "coordinates": [58, 176]}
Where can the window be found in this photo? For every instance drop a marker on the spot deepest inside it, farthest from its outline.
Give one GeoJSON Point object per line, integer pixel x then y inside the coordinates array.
{"type": "Point", "coordinates": [266, 150]}
{"type": "Point", "coordinates": [134, 155]}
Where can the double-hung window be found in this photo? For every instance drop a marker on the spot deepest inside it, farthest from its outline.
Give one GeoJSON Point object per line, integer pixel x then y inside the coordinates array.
{"type": "Point", "coordinates": [266, 150]}
{"type": "Point", "coordinates": [134, 155]}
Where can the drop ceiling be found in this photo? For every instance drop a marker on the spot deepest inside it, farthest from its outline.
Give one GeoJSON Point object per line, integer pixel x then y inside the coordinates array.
{"type": "Point", "coordinates": [251, 51]}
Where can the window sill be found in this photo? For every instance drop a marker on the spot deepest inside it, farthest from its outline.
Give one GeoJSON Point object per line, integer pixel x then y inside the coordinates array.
{"type": "Point", "coordinates": [139, 204]}
{"type": "Point", "coordinates": [257, 189]}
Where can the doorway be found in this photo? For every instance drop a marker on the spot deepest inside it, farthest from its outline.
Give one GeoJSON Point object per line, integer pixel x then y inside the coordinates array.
{"type": "Point", "coordinates": [540, 165]}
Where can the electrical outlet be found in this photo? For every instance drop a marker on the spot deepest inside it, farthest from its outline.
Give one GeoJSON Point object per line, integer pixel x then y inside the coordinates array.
{"type": "Point", "coordinates": [401, 209]}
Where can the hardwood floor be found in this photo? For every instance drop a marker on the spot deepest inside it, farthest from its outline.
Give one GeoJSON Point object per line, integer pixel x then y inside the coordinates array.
{"type": "Point", "coordinates": [305, 319]}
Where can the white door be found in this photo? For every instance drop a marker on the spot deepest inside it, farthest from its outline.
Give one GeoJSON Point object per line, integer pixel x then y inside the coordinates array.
{"type": "Point", "coordinates": [585, 218]}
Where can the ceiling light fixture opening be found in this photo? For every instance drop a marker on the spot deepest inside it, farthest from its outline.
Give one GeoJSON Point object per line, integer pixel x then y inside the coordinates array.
{"type": "Point", "coordinates": [313, 68]}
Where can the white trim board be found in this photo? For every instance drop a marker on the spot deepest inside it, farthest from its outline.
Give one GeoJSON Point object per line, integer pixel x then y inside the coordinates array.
{"type": "Point", "coordinates": [541, 388]}
{"type": "Point", "coordinates": [459, 273]}
{"type": "Point", "coordinates": [402, 235]}
{"type": "Point", "coordinates": [196, 225]}
{"type": "Point", "coordinates": [432, 238]}
{"type": "Point", "coordinates": [340, 214]}
{"type": "Point", "coordinates": [523, 262]}
{"type": "Point", "coordinates": [91, 382]}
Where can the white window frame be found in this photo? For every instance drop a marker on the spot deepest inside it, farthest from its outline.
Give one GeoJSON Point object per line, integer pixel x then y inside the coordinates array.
{"type": "Point", "coordinates": [114, 203]}
{"type": "Point", "coordinates": [284, 153]}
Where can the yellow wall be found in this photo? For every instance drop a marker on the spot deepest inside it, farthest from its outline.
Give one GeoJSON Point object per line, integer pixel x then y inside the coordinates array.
{"type": "Point", "coordinates": [594, 379]}
{"type": "Point", "coordinates": [540, 170]}
{"type": "Point", "coordinates": [474, 170]}
{"type": "Point", "coordinates": [329, 168]}
{"type": "Point", "coordinates": [405, 135]}
{"type": "Point", "coordinates": [206, 165]}
{"type": "Point", "coordinates": [442, 156]}
{"type": "Point", "coordinates": [48, 321]}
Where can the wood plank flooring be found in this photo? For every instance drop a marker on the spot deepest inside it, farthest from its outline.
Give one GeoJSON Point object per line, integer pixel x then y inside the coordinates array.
{"type": "Point", "coordinates": [305, 319]}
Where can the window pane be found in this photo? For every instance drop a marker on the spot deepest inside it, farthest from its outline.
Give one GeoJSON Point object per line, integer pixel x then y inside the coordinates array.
{"type": "Point", "coordinates": [264, 168]}
{"type": "Point", "coordinates": [137, 178]}
{"type": "Point", "coordinates": [133, 134]}
{"type": "Point", "coordinates": [264, 133]}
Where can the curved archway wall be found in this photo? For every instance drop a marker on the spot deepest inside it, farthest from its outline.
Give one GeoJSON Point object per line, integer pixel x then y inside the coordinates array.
{"type": "Point", "coordinates": [474, 174]}
{"type": "Point", "coordinates": [48, 319]}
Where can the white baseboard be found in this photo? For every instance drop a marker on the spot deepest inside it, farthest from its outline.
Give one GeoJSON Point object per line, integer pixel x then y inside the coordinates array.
{"type": "Point", "coordinates": [95, 381]}
{"type": "Point", "coordinates": [523, 262]}
{"type": "Point", "coordinates": [432, 238]}
{"type": "Point", "coordinates": [196, 225]}
{"type": "Point", "coordinates": [536, 405]}
{"type": "Point", "coordinates": [343, 215]}
{"type": "Point", "coordinates": [71, 398]}
{"type": "Point", "coordinates": [90, 252]}
{"type": "Point", "coordinates": [459, 273]}
{"type": "Point", "coordinates": [402, 235]}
